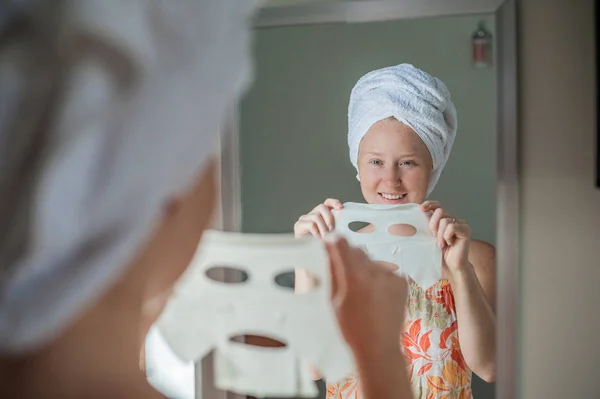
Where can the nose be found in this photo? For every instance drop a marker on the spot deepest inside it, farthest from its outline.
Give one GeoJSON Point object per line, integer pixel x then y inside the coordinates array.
{"type": "Point", "coordinates": [391, 174]}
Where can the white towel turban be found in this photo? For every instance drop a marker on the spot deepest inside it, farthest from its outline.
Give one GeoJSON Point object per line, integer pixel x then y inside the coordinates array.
{"type": "Point", "coordinates": [112, 129]}
{"type": "Point", "coordinates": [414, 98]}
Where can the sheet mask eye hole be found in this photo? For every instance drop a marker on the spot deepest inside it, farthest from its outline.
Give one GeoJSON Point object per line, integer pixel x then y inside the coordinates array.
{"type": "Point", "coordinates": [361, 227]}
{"type": "Point", "coordinates": [227, 275]}
{"type": "Point", "coordinates": [306, 281]}
{"type": "Point", "coordinates": [402, 230]}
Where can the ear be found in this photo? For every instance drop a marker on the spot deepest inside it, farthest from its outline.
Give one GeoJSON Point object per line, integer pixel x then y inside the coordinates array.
{"type": "Point", "coordinates": [170, 208]}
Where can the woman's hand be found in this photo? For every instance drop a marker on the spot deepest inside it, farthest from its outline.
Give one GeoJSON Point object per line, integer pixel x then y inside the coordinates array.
{"type": "Point", "coordinates": [319, 221]}
{"type": "Point", "coordinates": [473, 287]}
{"type": "Point", "coordinates": [369, 301]}
{"type": "Point", "coordinates": [453, 236]}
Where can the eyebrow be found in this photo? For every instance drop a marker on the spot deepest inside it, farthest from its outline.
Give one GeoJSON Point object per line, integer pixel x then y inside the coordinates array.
{"type": "Point", "coordinates": [378, 154]}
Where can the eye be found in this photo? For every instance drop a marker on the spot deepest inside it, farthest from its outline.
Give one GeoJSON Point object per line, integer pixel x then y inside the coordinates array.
{"type": "Point", "coordinates": [376, 162]}
{"type": "Point", "coordinates": [408, 163]}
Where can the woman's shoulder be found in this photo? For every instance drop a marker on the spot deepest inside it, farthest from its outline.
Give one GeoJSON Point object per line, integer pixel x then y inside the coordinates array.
{"type": "Point", "coordinates": [482, 256]}
{"type": "Point", "coordinates": [482, 248]}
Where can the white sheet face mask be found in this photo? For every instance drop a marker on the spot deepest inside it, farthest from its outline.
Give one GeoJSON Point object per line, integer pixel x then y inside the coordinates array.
{"type": "Point", "coordinates": [168, 374]}
{"type": "Point", "coordinates": [204, 314]}
{"type": "Point", "coordinates": [416, 254]}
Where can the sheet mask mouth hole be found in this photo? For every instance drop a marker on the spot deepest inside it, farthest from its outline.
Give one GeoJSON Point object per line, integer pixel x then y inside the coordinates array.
{"type": "Point", "coordinates": [402, 230]}
{"type": "Point", "coordinates": [361, 227]}
{"type": "Point", "coordinates": [307, 281]}
{"type": "Point", "coordinates": [227, 275]}
{"type": "Point", "coordinates": [258, 340]}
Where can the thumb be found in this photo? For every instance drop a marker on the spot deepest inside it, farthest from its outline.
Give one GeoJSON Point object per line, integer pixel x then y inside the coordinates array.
{"type": "Point", "coordinates": [338, 274]}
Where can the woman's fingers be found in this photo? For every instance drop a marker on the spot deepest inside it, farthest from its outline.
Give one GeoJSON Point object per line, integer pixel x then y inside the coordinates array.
{"type": "Point", "coordinates": [333, 203]}
{"type": "Point", "coordinates": [339, 273]}
{"type": "Point", "coordinates": [449, 234]}
{"type": "Point", "coordinates": [313, 223]}
{"type": "Point", "coordinates": [441, 230]}
{"type": "Point", "coordinates": [326, 215]}
{"type": "Point", "coordinates": [305, 227]}
{"type": "Point", "coordinates": [450, 229]}
{"type": "Point", "coordinates": [319, 221]}
{"type": "Point", "coordinates": [430, 206]}
{"type": "Point", "coordinates": [442, 225]}
{"type": "Point", "coordinates": [434, 221]}
{"type": "Point", "coordinates": [387, 266]}
{"type": "Point", "coordinates": [353, 258]}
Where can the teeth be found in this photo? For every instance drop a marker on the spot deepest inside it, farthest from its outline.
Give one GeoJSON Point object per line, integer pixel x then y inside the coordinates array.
{"type": "Point", "coordinates": [392, 197]}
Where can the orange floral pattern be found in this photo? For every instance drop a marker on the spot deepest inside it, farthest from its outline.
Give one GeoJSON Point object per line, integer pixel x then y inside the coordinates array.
{"type": "Point", "coordinates": [431, 349]}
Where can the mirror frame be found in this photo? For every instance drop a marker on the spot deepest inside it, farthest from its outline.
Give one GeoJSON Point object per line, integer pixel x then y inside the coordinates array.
{"type": "Point", "coordinates": [507, 185]}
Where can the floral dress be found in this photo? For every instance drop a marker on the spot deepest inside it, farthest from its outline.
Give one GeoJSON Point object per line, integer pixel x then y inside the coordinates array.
{"type": "Point", "coordinates": [430, 344]}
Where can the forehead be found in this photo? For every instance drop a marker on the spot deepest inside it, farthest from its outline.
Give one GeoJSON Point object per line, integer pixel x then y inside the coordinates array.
{"type": "Point", "coordinates": [390, 135]}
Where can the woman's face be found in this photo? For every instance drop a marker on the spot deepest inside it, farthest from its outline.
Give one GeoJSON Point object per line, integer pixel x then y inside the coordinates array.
{"type": "Point", "coordinates": [172, 246]}
{"type": "Point", "coordinates": [394, 165]}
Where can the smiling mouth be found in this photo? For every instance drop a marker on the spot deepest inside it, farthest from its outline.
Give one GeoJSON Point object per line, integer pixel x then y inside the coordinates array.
{"type": "Point", "coordinates": [393, 198]}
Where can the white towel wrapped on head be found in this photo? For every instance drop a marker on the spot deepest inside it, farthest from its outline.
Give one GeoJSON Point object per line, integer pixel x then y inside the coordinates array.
{"type": "Point", "coordinates": [111, 109]}
{"type": "Point", "coordinates": [414, 98]}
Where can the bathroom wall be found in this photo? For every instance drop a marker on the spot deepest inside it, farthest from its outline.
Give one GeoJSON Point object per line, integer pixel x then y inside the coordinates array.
{"type": "Point", "coordinates": [560, 205]}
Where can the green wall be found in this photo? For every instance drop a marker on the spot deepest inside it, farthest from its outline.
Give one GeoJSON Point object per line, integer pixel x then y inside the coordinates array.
{"type": "Point", "coordinates": [293, 121]}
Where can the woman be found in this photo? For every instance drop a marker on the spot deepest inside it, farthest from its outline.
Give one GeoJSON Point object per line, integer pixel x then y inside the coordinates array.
{"type": "Point", "coordinates": [402, 125]}
{"type": "Point", "coordinates": [108, 123]}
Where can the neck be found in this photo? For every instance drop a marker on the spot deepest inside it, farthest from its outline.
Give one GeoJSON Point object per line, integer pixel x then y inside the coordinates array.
{"type": "Point", "coordinates": [97, 356]}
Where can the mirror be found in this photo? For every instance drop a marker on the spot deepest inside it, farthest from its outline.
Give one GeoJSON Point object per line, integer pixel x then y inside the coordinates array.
{"type": "Point", "coordinates": [284, 150]}
{"type": "Point", "coordinates": [293, 126]}
{"type": "Point", "coordinates": [293, 122]}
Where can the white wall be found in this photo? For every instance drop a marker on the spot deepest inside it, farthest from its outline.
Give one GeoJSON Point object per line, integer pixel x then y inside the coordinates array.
{"type": "Point", "coordinates": [560, 206]}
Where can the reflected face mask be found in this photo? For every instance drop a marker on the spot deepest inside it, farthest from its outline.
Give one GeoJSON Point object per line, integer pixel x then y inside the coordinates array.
{"type": "Point", "coordinates": [398, 234]}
